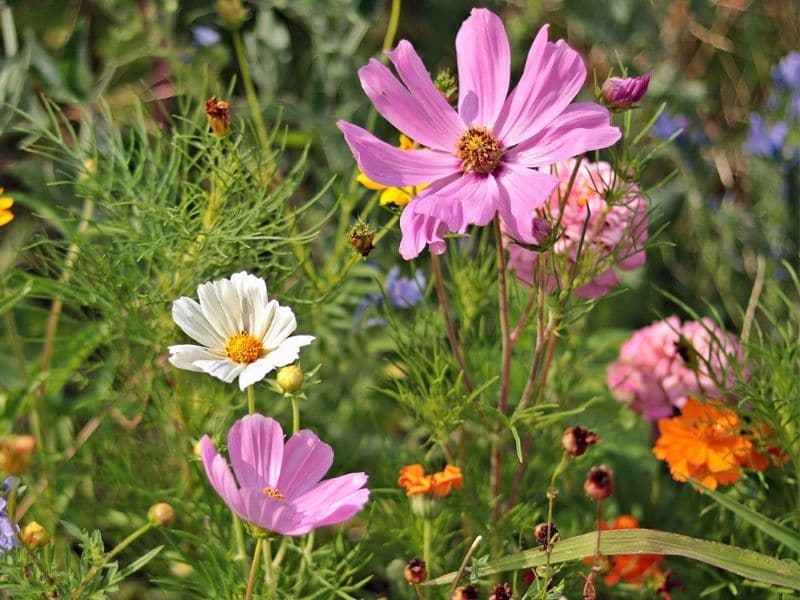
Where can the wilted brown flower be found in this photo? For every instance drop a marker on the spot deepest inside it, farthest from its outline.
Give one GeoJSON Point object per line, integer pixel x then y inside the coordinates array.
{"type": "Point", "coordinates": [599, 483]}
{"type": "Point", "coordinates": [576, 440]}
{"type": "Point", "coordinates": [416, 571]}
{"type": "Point", "coordinates": [16, 453]}
{"type": "Point", "coordinates": [218, 113]}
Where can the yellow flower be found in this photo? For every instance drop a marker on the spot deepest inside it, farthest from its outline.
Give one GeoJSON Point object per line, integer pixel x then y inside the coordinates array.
{"type": "Point", "coordinates": [399, 196]}
{"type": "Point", "coordinates": [6, 202]}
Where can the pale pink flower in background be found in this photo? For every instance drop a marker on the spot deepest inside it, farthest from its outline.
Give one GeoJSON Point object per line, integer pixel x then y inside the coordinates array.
{"type": "Point", "coordinates": [661, 365]}
{"type": "Point", "coordinates": [277, 486]}
{"type": "Point", "coordinates": [615, 232]}
{"type": "Point", "coordinates": [483, 158]}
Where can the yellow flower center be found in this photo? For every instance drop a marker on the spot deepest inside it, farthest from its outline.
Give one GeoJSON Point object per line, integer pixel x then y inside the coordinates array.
{"type": "Point", "coordinates": [243, 348]}
{"type": "Point", "coordinates": [273, 493]}
{"type": "Point", "coordinates": [478, 150]}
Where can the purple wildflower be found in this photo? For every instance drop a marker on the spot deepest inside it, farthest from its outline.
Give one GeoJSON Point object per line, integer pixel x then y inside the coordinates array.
{"type": "Point", "coordinates": [786, 74]}
{"type": "Point", "coordinates": [483, 159]}
{"type": "Point", "coordinates": [765, 140]}
{"type": "Point", "coordinates": [8, 528]}
{"type": "Point", "coordinates": [205, 36]}
{"type": "Point", "coordinates": [667, 124]}
{"type": "Point", "coordinates": [277, 486]}
{"type": "Point", "coordinates": [619, 93]}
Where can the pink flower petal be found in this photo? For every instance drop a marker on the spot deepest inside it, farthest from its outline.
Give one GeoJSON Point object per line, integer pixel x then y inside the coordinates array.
{"type": "Point", "coordinates": [470, 200]}
{"type": "Point", "coordinates": [391, 166]}
{"type": "Point", "coordinates": [522, 191]}
{"type": "Point", "coordinates": [219, 475]}
{"type": "Point", "coordinates": [306, 459]}
{"type": "Point", "coordinates": [271, 514]}
{"type": "Point", "coordinates": [581, 127]}
{"type": "Point", "coordinates": [255, 445]}
{"type": "Point", "coordinates": [328, 498]}
{"type": "Point", "coordinates": [553, 75]}
{"type": "Point", "coordinates": [484, 67]}
{"type": "Point", "coordinates": [420, 230]}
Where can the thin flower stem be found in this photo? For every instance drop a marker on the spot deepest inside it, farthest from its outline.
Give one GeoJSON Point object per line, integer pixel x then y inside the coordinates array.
{"type": "Point", "coordinates": [251, 399]}
{"type": "Point", "coordinates": [41, 567]}
{"type": "Point", "coordinates": [752, 304]}
{"type": "Point", "coordinates": [295, 414]}
{"type": "Point", "coordinates": [495, 479]}
{"type": "Point", "coordinates": [418, 589]}
{"type": "Point", "coordinates": [426, 541]}
{"type": "Point", "coordinates": [523, 319]}
{"type": "Point", "coordinates": [251, 579]}
{"type": "Point", "coordinates": [552, 494]}
{"type": "Point", "coordinates": [391, 28]}
{"type": "Point", "coordinates": [238, 536]}
{"type": "Point", "coordinates": [250, 91]}
{"type": "Point", "coordinates": [436, 267]}
{"type": "Point", "coordinates": [464, 564]}
{"type": "Point", "coordinates": [95, 570]}
{"type": "Point", "coordinates": [513, 497]}
{"type": "Point", "coordinates": [16, 342]}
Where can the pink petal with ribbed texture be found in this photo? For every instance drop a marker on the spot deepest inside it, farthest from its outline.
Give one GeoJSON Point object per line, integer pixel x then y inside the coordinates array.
{"type": "Point", "coordinates": [326, 499]}
{"type": "Point", "coordinates": [484, 67]}
{"type": "Point", "coordinates": [553, 75]}
{"type": "Point", "coordinates": [306, 459]}
{"type": "Point", "coordinates": [521, 192]}
{"type": "Point", "coordinates": [271, 514]}
{"type": "Point", "coordinates": [419, 229]}
{"type": "Point", "coordinates": [440, 118]}
{"type": "Point", "coordinates": [255, 445]}
{"type": "Point", "coordinates": [219, 475]}
{"type": "Point", "coordinates": [386, 164]}
{"type": "Point", "coordinates": [581, 127]}
{"type": "Point", "coordinates": [470, 200]}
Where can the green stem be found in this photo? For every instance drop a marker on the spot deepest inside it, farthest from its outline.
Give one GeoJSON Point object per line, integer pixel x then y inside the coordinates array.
{"type": "Point", "coordinates": [238, 536]}
{"type": "Point", "coordinates": [391, 28]}
{"type": "Point", "coordinates": [426, 542]}
{"type": "Point", "coordinates": [251, 579]}
{"type": "Point", "coordinates": [16, 343]}
{"type": "Point", "coordinates": [95, 570]}
{"type": "Point", "coordinates": [251, 399]}
{"type": "Point", "coordinates": [250, 91]}
{"type": "Point", "coordinates": [295, 414]}
{"type": "Point", "coordinates": [552, 493]}
{"type": "Point", "coordinates": [9, 30]}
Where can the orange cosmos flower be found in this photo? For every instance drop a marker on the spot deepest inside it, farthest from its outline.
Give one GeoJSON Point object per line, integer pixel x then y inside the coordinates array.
{"type": "Point", "coordinates": [414, 480]}
{"type": "Point", "coordinates": [633, 569]}
{"type": "Point", "coordinates": [706, 442]}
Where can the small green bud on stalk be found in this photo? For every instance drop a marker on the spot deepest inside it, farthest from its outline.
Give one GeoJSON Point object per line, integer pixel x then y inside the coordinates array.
{"type": "Point", "coordinates": [290, 378]}
{"type": "Point", "coordinates": [161, 514]}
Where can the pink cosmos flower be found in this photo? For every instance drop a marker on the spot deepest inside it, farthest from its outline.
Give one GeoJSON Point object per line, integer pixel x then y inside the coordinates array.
{"type": "Point", "coordinates": [483, 158]}
{"type": "Point", "coordinates": [620, 93]}
{"type": "Point", "coordinates": [277, 487]}
{"type": "Point", "coordinates": [615, 233]}
{"type": "Point", "coordinates": [661, 365]}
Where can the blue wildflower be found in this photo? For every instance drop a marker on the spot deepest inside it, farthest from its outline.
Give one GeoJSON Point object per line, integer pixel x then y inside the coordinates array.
{"type": "Point", "coordinates": [205, 36]}
{"type": "Point", "coordinates": [786, 74]}
{"type": "Point", "coordinates": [8, 529]}
{"type": "Point", "coordinates": [764, 140]}
{"type": "Point", "coordinates": [402, 292]}
{"type": "Point", "coordinates": [667, 124]}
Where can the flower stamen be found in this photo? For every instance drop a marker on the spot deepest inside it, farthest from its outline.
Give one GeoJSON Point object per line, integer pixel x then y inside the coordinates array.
{"type": "Point", "coordinates": [273, 493]}
{"type": "Point", "coordinates": [478, 150]}
{"type": "Point", "coordinates": [243, 348]}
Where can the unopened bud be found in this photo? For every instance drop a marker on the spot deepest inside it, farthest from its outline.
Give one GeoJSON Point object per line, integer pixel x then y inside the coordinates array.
{"type": "Point", "coordinates": [232, 13]}
{"type": "Point", "coordinates": [16, 453]}
{"type": "Point", "coordinates": [446, 84]}
{"type": "Point", "coordinates": [218, 113]}
{"type": "Point", "coordinates": [290, 378]}
{"type": "Point", "coordinates": [599, 483]}
{"type": "Point", "coordinates": [502, 591]}
{"type": "Point", "coordinates": [416, 571]}
{"type": "Point", "coordinates": [576, 440]}
{"type": "Point", "coordinates": [161, 514]}
{"type": "Point", "coordinates": [88, 169]}
{"type": "Point", "coordinates": [619, 93]}
{"type": "Point", "coordinates": [360, 237]}
{"type": "Point", "coordinates": [541, 534]}
{"type": "Point", "coordinates": [465, 592]}
{"type": "Point", "coordinates": [33, 535]}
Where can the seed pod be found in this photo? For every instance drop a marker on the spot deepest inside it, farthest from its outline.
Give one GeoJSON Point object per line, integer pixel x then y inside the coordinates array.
{"type": "Point", "coordinates": [416, 571]}
{"type": "Point", "coordinates": [599, 483]}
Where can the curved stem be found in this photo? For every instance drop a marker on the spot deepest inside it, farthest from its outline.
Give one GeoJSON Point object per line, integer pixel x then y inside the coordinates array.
{"type": "Point", "coordinates": [448, 321]}
{"type": "Point", "coordinates": [251, 580]}
{"type": "Point", "coordinates": [250, 91]}
{"type": "Point", "coordinates": [251, 399]}
{"type": "Point", "coordinates": [391, 28]}
{"type": "Point", "coordinates": [464, 563]}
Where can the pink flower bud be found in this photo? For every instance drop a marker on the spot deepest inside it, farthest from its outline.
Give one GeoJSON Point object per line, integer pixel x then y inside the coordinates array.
{"type": "Point", "coordinates": [620, 93]}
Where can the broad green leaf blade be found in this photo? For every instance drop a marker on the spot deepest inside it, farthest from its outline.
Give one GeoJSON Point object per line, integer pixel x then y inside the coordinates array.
{"type": "Point", "coordinates": [776, 531]}
{"type": "Point", "coordinates": [749, 564]}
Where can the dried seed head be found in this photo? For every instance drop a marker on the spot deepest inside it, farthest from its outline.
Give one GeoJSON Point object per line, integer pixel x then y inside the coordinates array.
{"type": "Point", "coordinates": [576, 440]}
{"type": "Point", "coordinates": [218, 113]}
{"type": "Point", "coordinates": [599, 483]}
{"type": "Point", "coordinates": [360, 237]}
{"type": "Point", "coordinates": [465, 592]}
{"type": "Point", "coordinates": [541, 534]}
{"type": "Point", "coordinates": [416, 571]}
{"type": "Point", "coordinates": [501, 591]}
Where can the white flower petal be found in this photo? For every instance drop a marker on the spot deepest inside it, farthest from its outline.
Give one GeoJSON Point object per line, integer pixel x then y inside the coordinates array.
{"type": "Point", "coordinates": [252, 294]}
{"type": "Point", "coordinates": [256, 371]}
{"type": "Point", "coordinates": [183, 356]}
{"type": "Point", "coordinates": [224, 369]}
{"type": "Point", "coordinates": [188, 315]}
{"type": "Point", "coordinates": [220, 306]}
{"type": "Point", "coordinates": [264, 315]}
{"type": "Point", "coordinates": [289, 350]}
{"type": "Point", "coordinates": [282, 325]}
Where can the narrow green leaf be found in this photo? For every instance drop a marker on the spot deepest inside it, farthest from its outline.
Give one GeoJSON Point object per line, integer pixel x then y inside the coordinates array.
{"type": "Point", "coordinates": [775, 530]}
{"type": "Point", "coordinates": [137, 564]}
{"type": "Point", "coordinates": [10, 299]}
{"type": "Point", "coordinates": [749, 564]}
{"type": "Point", "coordinates": [517, 442]}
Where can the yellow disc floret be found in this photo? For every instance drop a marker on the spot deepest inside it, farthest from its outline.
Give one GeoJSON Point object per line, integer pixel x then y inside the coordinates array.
{"type": "Point", "coordinates": [478, 150]}
{"type": "Point", "coordinates": [273, 493]}
{"type": "Point", "coordinates": [243, 348]}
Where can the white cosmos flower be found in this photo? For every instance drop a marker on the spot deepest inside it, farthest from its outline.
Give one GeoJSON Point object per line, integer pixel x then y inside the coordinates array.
{"type": "Point", "coordinates": [243, 333]}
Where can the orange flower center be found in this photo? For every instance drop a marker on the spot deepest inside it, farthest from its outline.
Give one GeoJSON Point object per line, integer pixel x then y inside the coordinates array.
{"type": "Point", "coordinates": [273, 493]}
{"type": "Point", "coordinates": [478, 150]}
{"type": "Point", "coordinates": [243, 348]}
